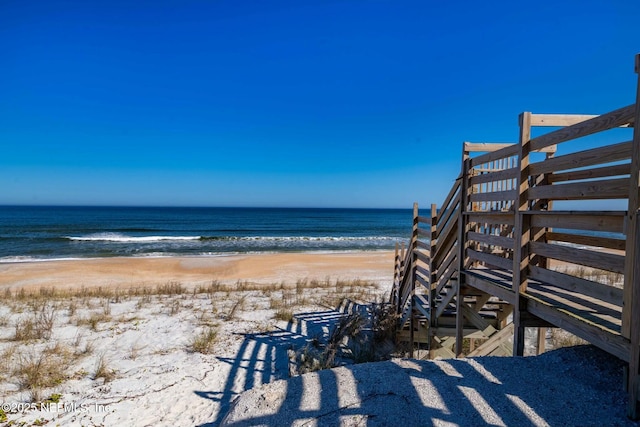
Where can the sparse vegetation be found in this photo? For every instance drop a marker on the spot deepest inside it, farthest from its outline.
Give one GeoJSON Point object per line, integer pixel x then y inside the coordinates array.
{"type": "Point", "coordinates": [204, 341]}
{"type": "Point", "coordinates": [237, 305]}
{"type": "Point", "coordinates": [38, 370]}
{"type": "Point", "coordinates": [103, 370]}
{"type": "Point", "coordinates": [283, 314]}
{"type": "Point", "coordinates": [37, 365]}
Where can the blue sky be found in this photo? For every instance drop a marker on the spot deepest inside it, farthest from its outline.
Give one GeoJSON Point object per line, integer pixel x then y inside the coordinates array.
{"type": "Point", "coordinates": [287, 103]}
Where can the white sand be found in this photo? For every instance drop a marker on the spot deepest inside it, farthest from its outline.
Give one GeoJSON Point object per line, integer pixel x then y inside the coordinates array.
{"type": "Point", "coordinates": [578, 386]}
{"type": "Point", "coordinates": [159, 381]}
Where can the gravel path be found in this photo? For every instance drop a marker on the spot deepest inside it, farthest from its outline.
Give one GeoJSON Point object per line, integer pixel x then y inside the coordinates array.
{"type": "Point", "coordinates": [579, 386]}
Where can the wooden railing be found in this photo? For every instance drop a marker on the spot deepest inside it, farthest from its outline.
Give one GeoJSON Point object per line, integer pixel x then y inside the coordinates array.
{"type": "Point", "coordinates": [548, 225]}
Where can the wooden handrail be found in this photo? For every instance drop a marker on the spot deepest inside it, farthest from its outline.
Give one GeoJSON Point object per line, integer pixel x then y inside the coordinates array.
{"type": "Point", "coordinates": [501, 216]}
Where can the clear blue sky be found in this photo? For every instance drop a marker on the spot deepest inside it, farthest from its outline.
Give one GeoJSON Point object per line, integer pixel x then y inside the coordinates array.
{"type": "Point", "coordinates": [287, 103]}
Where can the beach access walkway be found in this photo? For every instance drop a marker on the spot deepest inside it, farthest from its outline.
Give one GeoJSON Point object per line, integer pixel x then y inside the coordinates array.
{"type": "Point", "coordinates": [540, 233]}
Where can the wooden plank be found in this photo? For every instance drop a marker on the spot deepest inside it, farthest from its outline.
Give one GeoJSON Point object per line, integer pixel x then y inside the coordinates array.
{"type": "Point", "coordinates": [423, 233]}
{"type": "Point", "coordinates": [506, 174]}
{"type": "Point", "coordinates": [422, 281]}
{"type": "Point", "coordinates": [607, 171]}
{"type": "Point", "coordinates": [501, 153]}
{"type": "Point", "coordinates": [489, 286]}
{"type": "Point", "coordinates": [588, 258]}
{"type": "Point", "coordinates": [424, 220]}
{"type": "Point", "coordinates": [579, 239]}
{"type": "Point", "coordinates": [445, 279]}
{"type": "Point", "coordinates": [423, 271]}
{"type": "Point", "coordinates": [450, 211]}
{"type": "Point", "coordinates": [442, 305]}
{"type": "Point", "coordinates": [498, 218]}
{"type": "Point", "coordinates": [422, 257]}
{"type": "Point", "coordinates": [634, 330]}
{"type": "Point", "coordinates": [450, 233]}
{"type": "Point", "coordinates": [444, 331]}
{"type": "Point", "coordinates": [522, 230]}
{"type": "Point", "coordinates": [577, 220]}
{"type": "Point", "coordinates": [445, 252]}
{"type": "Point", "coordinates": [588, 190]}
{"type": "Point", "coordinates": [423, 245]}
{"type": "Point", "coordinates": [445, 228]}
{"type": "Point", "coordinates": [630, 275]}
{"type": "Point", "coordinates": [422, 305]}
{"type": "Point", "coordinates": [603, 122]}
{"type": "Point", "coordinates": [607, 340]}
{"type": "Point", "coordinates": [432, 249]}
{"type": "Point", "coordinates": [496, 196]}
{"type": "Point", "coordinates": [579, 285]}
{"type": "Point", "coordinates": [452, 256]}
{"type": "Point", "coordinates": [463, 228]}
{"type": "Point", "coordinates": [631, 309]}
{"type": "Point", "coordinates": [491, 239]}
{"type": "Point", "coordinates": [557, 120]}
{"type": "Point", "coordinates": [583, 159]}
{"type": "Point", "coordinates": [483, 147]}
{"type": "Point", "coordinates": [477, 320]}
{"type": "Point", "coordinates": [455, 191]}
{"type": "Point", "coordinates": [493, 260]}
{"type": "Point", "coordinates": [493, 342]}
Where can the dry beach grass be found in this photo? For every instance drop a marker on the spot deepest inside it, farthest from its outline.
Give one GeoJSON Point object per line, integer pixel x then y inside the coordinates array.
{"type": "Point", "coordinates": [98, 342]}
{"type": "Point", "coordinates": [173, 353]}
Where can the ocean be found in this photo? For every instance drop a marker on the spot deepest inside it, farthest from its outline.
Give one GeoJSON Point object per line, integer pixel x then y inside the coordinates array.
{"type": "Point", "coordinates": [29, 233]}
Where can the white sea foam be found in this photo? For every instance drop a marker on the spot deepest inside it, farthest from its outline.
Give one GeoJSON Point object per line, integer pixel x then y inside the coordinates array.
{"type": "Point", "coordinates": [121, 238]}
{"type": "Point", "coordinates": [14, 259]}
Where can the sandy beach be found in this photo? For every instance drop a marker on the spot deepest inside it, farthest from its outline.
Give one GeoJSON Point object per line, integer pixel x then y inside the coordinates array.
{"type": "Point", "coordinates": [165, 341]}
{"type": "Point", "coordinates": [184, 341]}
{"type": "Point", "coordinates": [268, 268]}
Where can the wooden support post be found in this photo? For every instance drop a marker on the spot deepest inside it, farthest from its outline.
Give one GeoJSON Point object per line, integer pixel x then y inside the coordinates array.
{"type": "Point", "coordinates": [432, 267]}
{"type": "Point", "coordinates": [631, 309]}
{"type": "Point", "coordinates": [633, 376]}
{"type": "Point", "coordinates": [459, 319]}
{"type": "Point", "coordinates": [540, 235]}
{"type": "Point", "coordinates": [631, 229]}
{"type": "Point", "coordinates": [413, 249]}
{"type": "Point", "coordinates": [542, 339]}
{"type": "Point", "coordinates": [396, 277]}
{"type": "Point", "coordinates": [462, 246]}
{"type": "Point", "coordinates": [522, 232]}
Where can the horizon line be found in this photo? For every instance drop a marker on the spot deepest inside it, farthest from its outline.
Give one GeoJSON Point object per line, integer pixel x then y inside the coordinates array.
{"type": "Point", "coordinates": [12, 205]}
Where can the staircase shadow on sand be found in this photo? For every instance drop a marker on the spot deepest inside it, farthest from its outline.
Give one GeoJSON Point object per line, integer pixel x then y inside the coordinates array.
{"type": "Point", "coordinates": [263, 357]}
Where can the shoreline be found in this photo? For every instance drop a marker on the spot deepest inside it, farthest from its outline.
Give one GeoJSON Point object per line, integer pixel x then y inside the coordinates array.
{"type": "Point", "coordinates": [193, 270]}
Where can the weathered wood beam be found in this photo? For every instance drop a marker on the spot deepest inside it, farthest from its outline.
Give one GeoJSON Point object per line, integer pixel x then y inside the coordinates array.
{"type": "Point", "coordinates": [493, 342]}
{"type": "Point", "coordinates": [600, 123]}
{"type": "Point", "coordinates": [571, 283]}
{"type": "Point", "coordinates": [583, 159]}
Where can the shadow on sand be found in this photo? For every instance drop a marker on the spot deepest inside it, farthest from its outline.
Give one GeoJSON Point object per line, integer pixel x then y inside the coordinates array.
{"type": "Point", "coordinates": [263, 357]}
{"type": "Point", "coordinates": [570, 386]}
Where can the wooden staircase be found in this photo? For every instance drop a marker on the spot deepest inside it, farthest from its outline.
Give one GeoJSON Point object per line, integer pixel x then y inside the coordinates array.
{"type": "Point", "coordinates": [505, 251]}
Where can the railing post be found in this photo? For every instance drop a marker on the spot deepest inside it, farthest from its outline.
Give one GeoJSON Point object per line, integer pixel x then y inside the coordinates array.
{"type": "Point", "coordinates": [396, 277]}
{"type": "Point", "coordinates": [414, 263]}
{"type": "Point", "coordinates": [432, 267]}
{"type": "Point", "coordinates": [462, 246]}
{"type": "Point", "coordinates": [630, 305]}
{"type": "Point", "coordinates": [522, 232]}
{"type": "Point", "coordinates": [630, 225]}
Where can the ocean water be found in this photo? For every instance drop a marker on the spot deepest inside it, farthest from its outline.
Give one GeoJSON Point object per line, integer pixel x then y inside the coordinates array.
{"type": "Point", "coordinates": [41, 232]}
